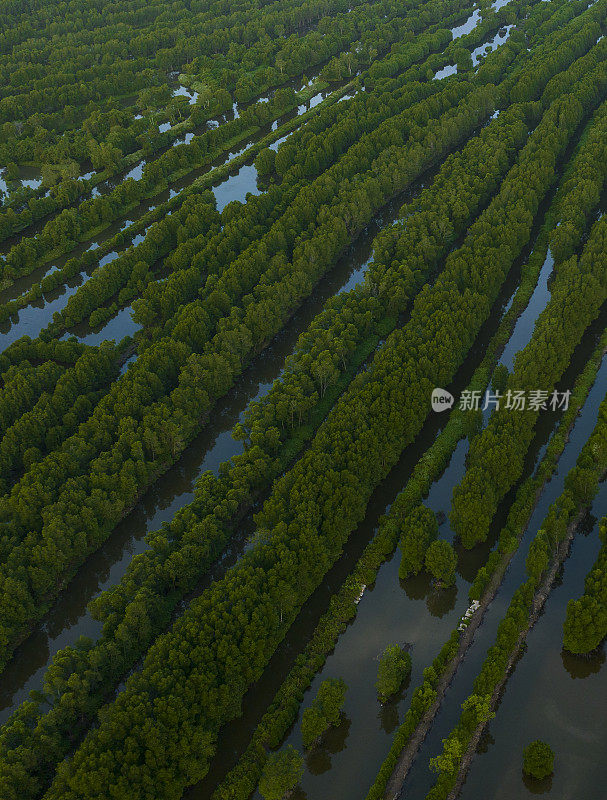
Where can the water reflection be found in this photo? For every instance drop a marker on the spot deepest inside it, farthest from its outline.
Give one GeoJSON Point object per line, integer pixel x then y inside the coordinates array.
{"type": "Point", "coordinates": [468, 26]}
{"type": "Point", "coordinates": [445, 72]}
{"type": "Point", "coordinates": [580, 667]}
{"type": "Point", "coordinates": [536, 786]}
{"type": "Point", "coordinates": [318, 758]}
{"type": "Point", "coordinates": [388, 714]}
{"type": "Point", "coordinates": [441, 600]}
{"type": "Point", "coordinates": [488, 47]}
{"type": "Point", "coordinates": [485, 742]}
{"type": "Point", "coordinates": [552, 695]}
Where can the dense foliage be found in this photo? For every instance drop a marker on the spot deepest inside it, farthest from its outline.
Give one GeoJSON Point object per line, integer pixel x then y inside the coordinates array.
{"type": "Point", "coordinates": [585, 625]}
{"type": "Point", "coordinates": [325, 710]}
{"type": "Point", "coordinates": [441, 561]}
{"type": "Point", "coordinates": [394, 668]}
{"type": "Point", "coordinates": [281, 774]}
{"type": "Point", "coordinates": [139, 712]}
{"type": "Point", "coordinates": [538, 759]}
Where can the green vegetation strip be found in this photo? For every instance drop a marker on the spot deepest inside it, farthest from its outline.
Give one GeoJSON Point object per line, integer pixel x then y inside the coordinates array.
{"type": "Point", "coordinates": [245, 612]}
{"type": "Point", "coordinates": [427, 697]}
{"type": "Point", "coordinates": [546, 552]}
{"type": "Point", "coordinates": [585, 625]}
{"type": "Point", "coordinates": [343, 607]}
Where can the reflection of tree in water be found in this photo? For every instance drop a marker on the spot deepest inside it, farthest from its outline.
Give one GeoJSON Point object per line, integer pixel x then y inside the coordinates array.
{"type": "Point", "coordinates": [470, 561]}
{"type": "Point", "coordinates": [536, 786]}
{"type": "Point", "coordinates": [583, 666]}
{"type": "Point", "coordinates": [318, 759]}
{"type": "Point", "coordinates": [485, 742]}
{"type": "Point", "coordinates": [417, 586]}
{"type": "Point", "coordinates": [441, 601]}
{"type": "Point", "coordinates": [388, 712]}
{"type": "Point", "coordinates": [587, 525]}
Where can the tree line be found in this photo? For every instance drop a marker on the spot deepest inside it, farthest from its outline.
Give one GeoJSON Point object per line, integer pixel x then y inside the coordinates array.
{"type": "Point", "coordinates": [585, 625]}
{"type": "Point", "coordinates": [577, 293]}
{"type": "Point", "coordinates": [304, 516]}
{"type": "Point", "coordinates": [581, 485]}
{"type": "Point", "coordinates": [177, 565]}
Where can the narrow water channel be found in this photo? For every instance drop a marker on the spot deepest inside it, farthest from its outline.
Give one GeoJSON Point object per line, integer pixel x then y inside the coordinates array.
{"type": "Point", "coordinates": [523, 329]}
{"type": "Point", "coordinates": [420, 779]}
{"type": "Point", "coordinates": [349, 774]}
{"type": "Point", "coordinates": [410, 613]}
{"type": "Point", "coordinates": [69, 618]}
{"type": "Point", "coordinates": [551, 695]}
{"type": "Point", "coordinates": [525, 324]}
{"type": "Point", "coordinates": [468, 26]}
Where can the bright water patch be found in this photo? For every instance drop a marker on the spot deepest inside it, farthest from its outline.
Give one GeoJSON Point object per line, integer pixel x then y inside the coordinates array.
{"type": "Point", "coordinates": [135, 172]}
{"type": "Point", "coordinates": [183, 92]}
{"type": "Point", "coordinates": [236, 187]}
{"type": "Point", "coordinates": [488, 47]}
{"type": "Point", "coordinates": [468, 26]}
{"type": "Point", "coordinates": [119, 326]}
{"type": "Point", "coordinates": [445, 72]}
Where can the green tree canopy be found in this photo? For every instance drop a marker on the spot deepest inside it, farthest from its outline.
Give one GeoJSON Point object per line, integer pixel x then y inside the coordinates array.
{"type": "Point", "coordinates": [281, 774]}
{"type": "Point", "coordinates": [538, 760]}
{"type": "Point", "coordinates": [325, 710]}
{"type": "Point", "coordinates": [419, 528]}
{"type": "Point", "coordinates": [441, 561]}
{"type": "Point", "coordinates": [394, 667]}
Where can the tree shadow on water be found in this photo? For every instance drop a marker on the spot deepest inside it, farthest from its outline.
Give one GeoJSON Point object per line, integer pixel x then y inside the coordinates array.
{"type": "Point", "coordinates": [441, 600]}
{"type": "Point", "coordinates": [318, 758]}
{"type": "Point", "coordinates": [536, 786]}
{"type": "Point", "coordinates": [583, 666]}
{"type": "Point", "coordinates": [388, 712]}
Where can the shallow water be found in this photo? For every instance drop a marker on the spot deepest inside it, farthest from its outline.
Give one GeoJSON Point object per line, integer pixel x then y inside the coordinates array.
{"type": "Point", "coordinates": [420, 779]}
{"type": "Point", "coordinates": [551, 695]}
{"type": "Point", "coordinates": [500, 38]}
{"type": "Point", "coordinates": [468, 26]}
{"type": "Point", "coordinates": [445, 72]}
